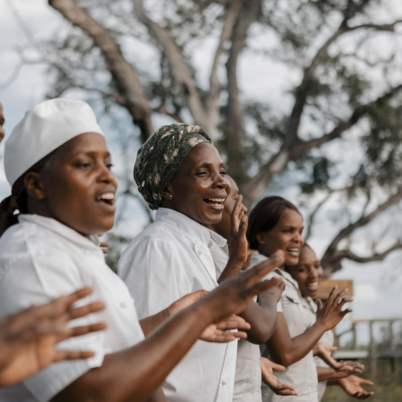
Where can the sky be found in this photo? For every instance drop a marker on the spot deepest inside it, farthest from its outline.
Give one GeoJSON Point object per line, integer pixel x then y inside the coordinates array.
{"type": "Point", "coordinates": [377, 285]}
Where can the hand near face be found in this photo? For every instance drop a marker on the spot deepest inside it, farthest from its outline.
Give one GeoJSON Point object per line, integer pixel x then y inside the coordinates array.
{"type": "Point", "coordinates": [353, 386]}
{"type": "Point", "coordinates": [226, 330]}
{"type": "Point", "coordinates": [28, 339]}
{"type": "Point", "coordinates": [331, 313]}
{"type": "Point", "coordinates": [268, 368]}
{"type": "Point", "coordinates": [238, 245]}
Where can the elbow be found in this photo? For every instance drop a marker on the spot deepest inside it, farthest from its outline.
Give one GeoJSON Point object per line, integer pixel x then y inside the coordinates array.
{"type": "Point", "coordinates": [261, 334]}
{"type": "Point", "coordinates": [285, 359]}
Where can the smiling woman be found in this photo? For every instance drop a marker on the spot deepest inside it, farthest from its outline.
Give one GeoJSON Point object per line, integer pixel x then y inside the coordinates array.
{"type": "Point", "coordinates": [181, 174]}
{"type": "Point", "coordinates": [276, 224]}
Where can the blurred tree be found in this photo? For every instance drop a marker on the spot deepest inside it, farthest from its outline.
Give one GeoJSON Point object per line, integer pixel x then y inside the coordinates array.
{"type": "Point", "coordinates": [342, 90]}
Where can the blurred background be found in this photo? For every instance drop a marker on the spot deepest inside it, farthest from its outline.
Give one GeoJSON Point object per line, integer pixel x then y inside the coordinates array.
{"type": "Point", "coordinates": [302, 97]}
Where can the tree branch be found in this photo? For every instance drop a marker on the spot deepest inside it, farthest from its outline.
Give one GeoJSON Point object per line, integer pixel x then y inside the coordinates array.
{"type": "Point", "coordinates": [311, 218]}
{"type": "Point", "coordinates": [178, 67]}
{"type": "Point", "coordinates": [123, 73]}
{"type": "Point", "coordinates": [376, 256]}
{"type": "Point", "coordinates": [304, 146]}
{"type": "Point", "coordinates": [231, 15]}
{"type": "Point", "coordinates": [330, 258]}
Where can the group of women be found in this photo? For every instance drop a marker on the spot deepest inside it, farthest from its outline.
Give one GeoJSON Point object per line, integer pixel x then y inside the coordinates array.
{"type": "Point", "coordinates": [198, 292]}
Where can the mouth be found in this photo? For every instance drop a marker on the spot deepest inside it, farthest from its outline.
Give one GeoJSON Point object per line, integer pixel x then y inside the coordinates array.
{"type": "Point", "coordinates": [312, 286]}
{"type": "Point", "coordinates": [294, 251]}
{"type": "Point", "coordinates": [106, 198]}
{"type": "Point", "coordinates": [216, 203]}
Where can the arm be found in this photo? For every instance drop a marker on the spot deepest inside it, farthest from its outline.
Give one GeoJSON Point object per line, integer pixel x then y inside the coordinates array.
{"type": "Point", "coordinates": [329, 374]}
{"type": "Point", "coordinates": [287, 350]}
{"type": "Point", "coordinates": [262, 320]}
{"type": "Point", "coordinates": [134, 373]}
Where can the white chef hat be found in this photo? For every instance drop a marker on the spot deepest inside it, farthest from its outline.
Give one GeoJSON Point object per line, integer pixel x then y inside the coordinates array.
{"type": "Point", "coordinates": [43, 129]}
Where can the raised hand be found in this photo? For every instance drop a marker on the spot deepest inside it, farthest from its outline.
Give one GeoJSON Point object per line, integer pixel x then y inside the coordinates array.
{"type": "Point", "coordinates": [226, 330]}
{"type": "Point", "coordinates": [238, 244]}
{"type": "Point", "coordinates": [353, 386]}
{"type": "Point", "coordinates": [28, 339]}
{"type": "Point", "coordinates": [268, 368]}
{"type": "Point", "coordinates": [331, 313]}
{"type": "Point", "coordinates": [234, 294]}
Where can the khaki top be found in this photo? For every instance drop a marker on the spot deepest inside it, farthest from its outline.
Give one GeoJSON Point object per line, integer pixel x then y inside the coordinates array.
{"type": "Point", "coordinates": [301, 375]}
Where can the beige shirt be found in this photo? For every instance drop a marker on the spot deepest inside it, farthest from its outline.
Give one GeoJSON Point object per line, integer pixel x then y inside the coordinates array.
{"type": "Point", "coordinates": [302, 375]}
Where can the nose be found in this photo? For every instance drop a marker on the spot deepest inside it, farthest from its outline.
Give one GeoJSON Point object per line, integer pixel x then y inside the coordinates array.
{"type": "Point", "coordinates": [313, 273]}
{"type": "Point", "coordinates": [298, 238]}
{"type": "Point", "coordinates": [220, 181]}
{"type": "Point", "coordinates": [106, 175]}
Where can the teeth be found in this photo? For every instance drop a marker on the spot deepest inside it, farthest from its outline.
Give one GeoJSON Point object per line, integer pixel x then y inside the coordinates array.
{"type": "Point", "coordinates": [216, 200]}
{"type": "Point", "coordinates": [312, 286]}
{"type": "Point", "coordinates": [294, 252]}
{"type": "Point", "coordinates": [106, 197]}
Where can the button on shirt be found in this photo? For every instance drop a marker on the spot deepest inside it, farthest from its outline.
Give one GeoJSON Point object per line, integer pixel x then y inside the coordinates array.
{"type": "Point", "coordinates": [40, 259]}
{"type": "Point", "coordinates": [169, 259]}
{"type": "Point", "coordinates": [302, 375]}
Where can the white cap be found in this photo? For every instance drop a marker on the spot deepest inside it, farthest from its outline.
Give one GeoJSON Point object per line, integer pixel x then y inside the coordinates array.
{"type": "Point", "coordinates": [43, 129]}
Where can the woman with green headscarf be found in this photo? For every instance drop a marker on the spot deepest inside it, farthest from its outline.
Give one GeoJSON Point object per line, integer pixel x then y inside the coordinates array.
{"type": "Point", "coordinates": [180, 174]}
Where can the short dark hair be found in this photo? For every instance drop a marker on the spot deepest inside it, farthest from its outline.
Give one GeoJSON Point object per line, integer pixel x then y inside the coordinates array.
{"type": "Point", "coordinates": [265, 215]}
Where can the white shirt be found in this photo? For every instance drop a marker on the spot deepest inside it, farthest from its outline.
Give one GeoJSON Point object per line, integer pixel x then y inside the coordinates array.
{"type": "Point", "coordinates": [302, 375]}
{"type": "Point", "coordinates": [40, 259]}
{"type": "Point", "coordinates": [169, 259]}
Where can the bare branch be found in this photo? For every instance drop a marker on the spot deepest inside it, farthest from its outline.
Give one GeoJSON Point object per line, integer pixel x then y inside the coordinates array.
{"type": "Point", "coordinates": [178, 66]}
{"type": "Point", "coordinates": [231, 16]}
{"type": "Point", "coordinates": [234, 124]}
{"type": "Point", "coordinates": [124, 75]}
{"type": "Point", "coordinates": [311, 218]}
{"type": "Point", "coordinates": [330, 255]}
{"type": "Point", "coordinates": [376, 256]}
{"type": "Point", "coordinates": [361, 111]}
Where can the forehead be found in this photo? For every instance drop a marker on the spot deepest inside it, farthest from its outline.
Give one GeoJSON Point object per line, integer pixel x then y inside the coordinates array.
{"type": "Point", "coordinates": [289, 217]}
{"type": "Point", "coordinates": [203, 153]}
{"type": "Point", "coordinates": [87, 142]}
{"type": "Point", "coordinates": [307, 256]}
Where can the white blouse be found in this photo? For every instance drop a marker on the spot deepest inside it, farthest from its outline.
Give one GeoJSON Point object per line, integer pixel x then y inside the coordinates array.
{"type": "Point", "coordinates": [40, 259]}
{"type": "Point", "coordinates": [169, 259]}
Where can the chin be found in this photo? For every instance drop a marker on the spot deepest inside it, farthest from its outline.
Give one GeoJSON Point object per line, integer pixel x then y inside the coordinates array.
{"type": "Point", "coordinates": [291, 261]}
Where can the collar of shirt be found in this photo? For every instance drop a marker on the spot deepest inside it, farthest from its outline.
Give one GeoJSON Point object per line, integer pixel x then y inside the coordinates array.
{"type": "Point", "coordinates": [59, 228]}
{"type": "Point", "coordinates": [185, 224]}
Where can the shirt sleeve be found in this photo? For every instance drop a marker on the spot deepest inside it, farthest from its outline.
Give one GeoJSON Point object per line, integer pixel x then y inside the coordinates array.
{"type": "Point", "coordinates": [36, 279]}
{"type": "Point", "coordinates": [153, 272]}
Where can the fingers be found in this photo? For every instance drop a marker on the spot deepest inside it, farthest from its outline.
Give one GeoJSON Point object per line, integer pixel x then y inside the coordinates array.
{"type": "Point", "coordinates": [236, 214]}
{"type": "Point", "coordinates": [363, 381]}
{"type": "Point", "coordinates": [255, 274]}
{"type": "Point", "coordinates": [62, 355]}
{"type": "Point", "coordinates": [285, 390]}
{"type": "Point", "coordinates": [233, 322]}
{"type": "Point", "coordinates": [77, 312]}
{"type": "Point", "coordinates": [277, 367]}
{"type": "Point", "coordinates": [224, 337]}
{"type": "Point", "coordinates": [86, 329]}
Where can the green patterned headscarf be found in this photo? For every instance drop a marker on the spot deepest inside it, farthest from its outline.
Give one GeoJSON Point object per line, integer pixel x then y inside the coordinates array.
{"type": "Point", "coordinates": [161, 156]}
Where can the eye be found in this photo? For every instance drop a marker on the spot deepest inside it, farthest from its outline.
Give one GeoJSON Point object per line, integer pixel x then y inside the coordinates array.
{"type": "Point", "coordinates": [201, 173]}
{"type": "Point", "coordinates": [82, 164]}
{"type": "Point", "coordinates": [109, 165]}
